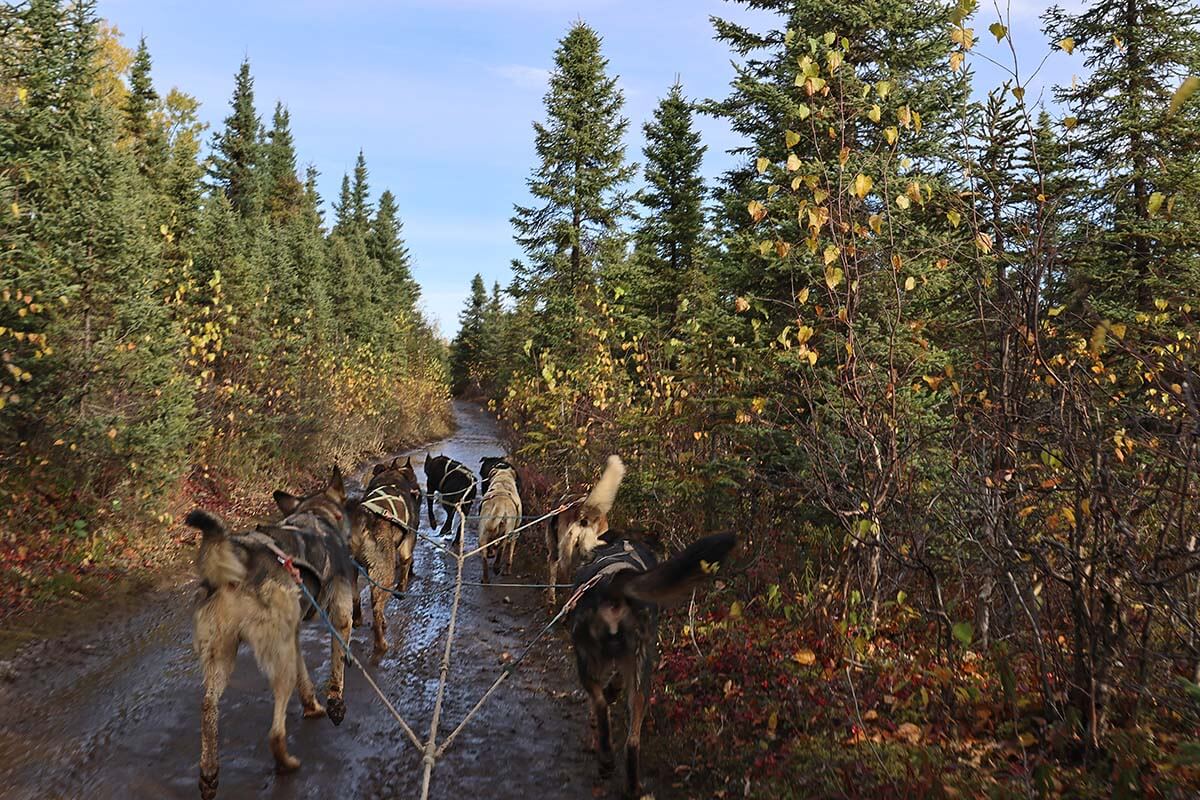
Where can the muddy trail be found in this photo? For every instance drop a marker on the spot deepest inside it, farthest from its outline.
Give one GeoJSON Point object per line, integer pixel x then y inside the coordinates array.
{"type": "Point", "coordinates": [113, 711]}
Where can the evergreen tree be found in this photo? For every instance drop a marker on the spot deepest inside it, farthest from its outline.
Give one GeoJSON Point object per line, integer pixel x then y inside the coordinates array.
{"type": "Point", "coordinates": [284, 193]}
{"type": "Point", "coordinates": [671, 232]}
{"type": "Point", "coordinates": [468, 346]}
{"type": "Point", "coordinates": [237, 150]}
{"type": "Point", "coordinates": [343, 209]}
{"type": "Point", "coordinates": [360, 206]}
{"type": "Point", "coordinates": [1137, 241]}
{"type": "Point", "coordinates": [148, 141]}
{"type": "Point", "coordinates": [385, 245]}
{"type": "Point", "coordinates": [577, 186]}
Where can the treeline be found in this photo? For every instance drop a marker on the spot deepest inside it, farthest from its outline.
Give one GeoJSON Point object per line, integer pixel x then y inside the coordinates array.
{"type": "Point", "coordinates": [167, 312]}
{"type": "Point", "coordinates": [933, 356]}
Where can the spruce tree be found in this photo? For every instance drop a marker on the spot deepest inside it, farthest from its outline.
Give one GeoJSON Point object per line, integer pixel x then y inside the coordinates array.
{"type": "Point", "coordinates": [283, 191]}
{"type": "Point", "coordinates": [343, 209]}
{"type": "Point", "coordinates": [468, 346]}
{"type": "Point", "coordinates": [237, 150]}
{"type": "Point", "coordinates": [385, 245]}
{"type": "Point", "coordinates": [1141, 238]}
{"type": "Point", "coordinates": [671, 231]}
{"type": "Point", "coordinates": [146, 135]}
{"type": "Point", "coordinates": [577, 186]}
{"type": "Point", "coordinates": [360, 206]}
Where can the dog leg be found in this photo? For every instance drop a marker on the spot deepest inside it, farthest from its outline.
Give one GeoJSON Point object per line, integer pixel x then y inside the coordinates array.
{"type": "Point", "coordinates": [339, 614]}
{"type": "Point", "coordinates": [552, 579]}
{"type": "Point", "coordinates": [633, 741]}
{"type": "Point", "coordinates": [485, 566]}
{"type": "Point", "coordinates": [512, 549]}
{"type": "Point", "coordinates": [283, 682]}
{"type": "Point", "coordinates": [357, 616]}
{"type": "Point", "coordinates": [383, 575]}
{"type": "Point", "coordinates": [603, 735]}
{"type": "Point", "coordinates": [308, 693]}
{"type": "Point", "coordinates": [218, 663]}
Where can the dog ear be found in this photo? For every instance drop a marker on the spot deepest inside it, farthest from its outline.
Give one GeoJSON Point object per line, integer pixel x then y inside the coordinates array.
{"type": "Point", "coordinates": [672, 581]}
{"type": "Point", "coordinates": [287, 503]}
{"type": "Point", "coordinates": [378, 469]}
{"type": "Point", "coordinates": [337, 487]}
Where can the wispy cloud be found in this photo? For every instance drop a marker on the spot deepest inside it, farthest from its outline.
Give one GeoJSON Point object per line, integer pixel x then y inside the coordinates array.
{"type": "Point", "coordinates": [523, 76]}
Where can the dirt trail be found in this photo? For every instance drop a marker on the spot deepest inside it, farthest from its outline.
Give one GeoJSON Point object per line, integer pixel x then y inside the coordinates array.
{"type": "Point", "coordinates": [113, 711]}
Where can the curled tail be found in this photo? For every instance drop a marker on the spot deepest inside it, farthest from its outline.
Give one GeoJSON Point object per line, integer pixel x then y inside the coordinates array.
{"type": "Point", "coordinates": [604, 493]}
{"type": "Point", "coordinates": [217, 561]}
{"type": "Point", "coordinates": [674, 579]}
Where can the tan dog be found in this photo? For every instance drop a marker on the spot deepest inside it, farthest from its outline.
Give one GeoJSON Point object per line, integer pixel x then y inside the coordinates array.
{"type": "Point", "coordinates": [573, 534]}
{"type": "Point", "coordinates": [249, 596]}
{"type": "Point", "coordinates": [500, 514]}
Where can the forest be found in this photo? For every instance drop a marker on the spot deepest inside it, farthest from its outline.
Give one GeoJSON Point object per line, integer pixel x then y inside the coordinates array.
{"type": "Point", "coordinates": [930, 349]}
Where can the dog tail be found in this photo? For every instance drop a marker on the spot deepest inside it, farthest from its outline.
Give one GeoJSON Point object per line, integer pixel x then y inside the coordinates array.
{"type": "Point", "coordinates": [673, 580]}
{"type": "Point", "coordinates": [217, 562]}
{"type": "Point", "coordinates": [604, 493]}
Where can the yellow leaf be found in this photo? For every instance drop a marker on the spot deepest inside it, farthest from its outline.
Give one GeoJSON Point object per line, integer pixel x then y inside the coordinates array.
{"type": "Point", "coordinates": [910, 283]}
{"type": "Point", "coordinates": [963, 36]}
{"type": "Point", "coordinates": [956, 61]}
{"type": "Point", "coordinates": [903, 201]}
{"type": "Point", "coordinates": [891, 134]}
{"type": "Point", "coordinates": [833, 276]}
{"type": "Point", "coordinates": [983, 242]}
{"type": "Point", "coordinates": [876, 223]}
{"type": "Point", "coordinates": [757, 210]}
{"type": "Point", "coordinates": [862, 185]}
{"type": "Point", "coordinates": [1186, 90]}
{"type": "Point", "coordinates": [762, 164]}
{"type": "Point", "coordinates": [1054, 312]}
{"type": "Point", "coordinates": [793, 163]}
{"type": "Point", "coordinates": [804, 657]}
{"type": "Point", "coordinates": [883, 88]}
{"type": "Point", "coordinates": [1155, 203]}
{"type": "Point", "coordinates": [803, 111]}
{"type": "Point", "coordinates": [820, 195]}
{"type": "Point", "coordinates": [1070, 122]}
{"type": "Point", "coordinates": [875, 113]}
{"type": "Point", "coordinates": [1019, 93]}
{"type": "Point", "coordinates": [802, 296]}
{"type": "Point", "coordinates": [1067, 44]}
{"type": "Point", "coordinates": [741, 304]}
{"type": "Point", "coordinates": [782, 249]}
{"type": "Point", "coordinates": [998, 30]}
{"type": "Point", "coordinates": [22, 95]}
{"type": "Point", "coordinates": [792, 138]}
{"type": "Point", "coordinates": [831, 253]}
{"type": "Point", "coordinates": [16, 209]}
{"type": "Point", "coordinates": [954, 217]}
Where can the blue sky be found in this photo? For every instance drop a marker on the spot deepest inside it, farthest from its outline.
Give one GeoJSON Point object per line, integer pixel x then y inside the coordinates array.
{"type": "Point", "coordinates": [440, 94]}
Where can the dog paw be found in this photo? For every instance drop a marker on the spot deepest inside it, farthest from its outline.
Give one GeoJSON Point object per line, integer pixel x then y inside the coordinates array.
{"type": "Point", "coordinates": [336, 709]}
{"type": "Point", "coordinates": [208, 786]}
{"type": "Point", "coordinates": [288, 763]}
{"type": "Point", "coordinates": [314, 711]}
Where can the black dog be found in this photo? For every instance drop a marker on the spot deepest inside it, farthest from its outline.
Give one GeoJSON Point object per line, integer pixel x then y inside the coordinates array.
{"type": "Point", "coordinates": [455, 482]}
{"type": "Point", "coordinates": [614, 629]}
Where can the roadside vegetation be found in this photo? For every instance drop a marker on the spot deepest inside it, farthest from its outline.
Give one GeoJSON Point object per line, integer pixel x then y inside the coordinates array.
{"type": "Point", "coordinates": [930, 349]}
{"type": "Point", "coordinates": [177, 322]}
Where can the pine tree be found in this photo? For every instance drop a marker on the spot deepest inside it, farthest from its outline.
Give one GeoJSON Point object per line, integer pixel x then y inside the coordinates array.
{"type": "Point", "coordinates": [237, 150]}
{"type": "Point", "coordinates": [1141, 158]}
{"type": "Point", "coordinates": [578, 185]}
{"type": "Point", "coordinates": [385, 245]}
{"type": "Point", "coordinates": [148, 142]}
{"type": "Point", "coordinates": [468, 345]}
{"type": "Point", "coordinates": [671, 232]}
{"type": "Point", "coordinates": [360, 206]}
{"type": "Point", "coordinates": [284, 193]}
{"type": "Point", "coordinates": [343, 211]}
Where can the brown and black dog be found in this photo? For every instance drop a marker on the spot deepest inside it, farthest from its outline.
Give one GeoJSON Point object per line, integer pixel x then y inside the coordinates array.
{"type": "Point", "coordinates": [247, 595]}
{"type": "Point", "coordinates": [385, 542]}
{"type": "Point", "coordinates": [572, 534]}
{"type": "Point", "coordinates": [614, 629]}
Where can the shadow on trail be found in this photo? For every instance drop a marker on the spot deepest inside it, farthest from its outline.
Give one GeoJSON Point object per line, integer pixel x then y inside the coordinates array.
{"type": "Point", "coordinates": [114, 711]}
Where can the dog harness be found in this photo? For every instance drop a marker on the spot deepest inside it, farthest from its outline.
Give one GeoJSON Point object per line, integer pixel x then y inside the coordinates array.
{"type": "Point", "coordinates": [391, 507]}
{"type": "Point", "coordinates": [626, 558]}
